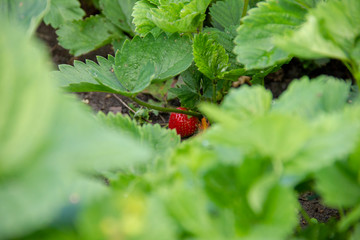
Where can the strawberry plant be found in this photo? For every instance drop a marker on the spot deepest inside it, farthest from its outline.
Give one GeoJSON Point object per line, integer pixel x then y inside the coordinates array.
{"type": "Point", "coordinates": [67, 174]}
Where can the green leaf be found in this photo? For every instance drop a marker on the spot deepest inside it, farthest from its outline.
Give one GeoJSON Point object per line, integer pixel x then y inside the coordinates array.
{"type": "Point", "coordinates": [278, 218]}
{"type": "Point", "coordinates": [309, 98]}
{"type": "Point", "coordinates": [170, 55]}
{"type": "Point", "coordinates": [92, 77]}
{"type": "Point", "coordinates": [25, 13]}
{"type": "Point", "coordinates": [160, 139]}
{"type": "Point", "coordinates": [331, 30]}
{"type": "Point", "coordinates": [181, 16]}
{"type": "Point", "coordinates": [119, 13]}
{"type": "Point", "coordinates": [139, 62]}
{"type": "Point", "coordinates": [143, 24]}
{"type": "Point", "coordinates": [210, 57]}
{"type": "Point", "coordinates": [86, 35]}
{"type": "Point", "coordinates": [338, 186]}
{"type": "Point", "coordinates": [189, 93]}
{"type": "Point", "coordinates": [255, 48]}
{"type": "Point", "coordinates": [49, 142]}
{"type": "Point", "coordinates": [356, 233]}
{"type": "Point", "coordinates": [140, 215]}
{"type": "Point", "coordinates": [321, 35]}
{"type": "Point", "coordinates": [267, 134]}
{"type": "Point", "coordinates": [226, 13]}
{"type": "Point", "coordinates": [333, 137]}
{"type": "Point", "coordinates": [248, 102]}
{"type": "Point", "coordinates": [350, 219]}
{"type": "Point", "coordinates": [178, 17]}
{"type": "Point", "coordinates": [188, 206]}
{"type": "Point", "coordinates": [263, 135]}
{"type": "Point", "coordinates": [253, 3]}
{"type": "Point", "coordinates": [226, 39]}
{"type": "Point", "coordinates": [62, 11]}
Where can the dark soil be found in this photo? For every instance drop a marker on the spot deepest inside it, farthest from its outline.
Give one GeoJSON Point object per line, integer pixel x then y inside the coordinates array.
{"type": "Point", "coordinates": [314, 208]}
{"type": "Point", "coordinates": [277, 82]}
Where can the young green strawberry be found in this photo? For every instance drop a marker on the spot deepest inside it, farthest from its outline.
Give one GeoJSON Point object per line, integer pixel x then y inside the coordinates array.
{"type": "Point", "coordinates": [184, 124]}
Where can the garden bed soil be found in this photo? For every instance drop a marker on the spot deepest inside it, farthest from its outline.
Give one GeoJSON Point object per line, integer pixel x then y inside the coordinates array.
{"type": "Point", "coordinates": [276, 82]}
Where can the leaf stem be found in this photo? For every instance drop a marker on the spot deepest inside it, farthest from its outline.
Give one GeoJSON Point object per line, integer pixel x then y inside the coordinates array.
{"type": "Point", "coordinates": [214, 91]}
{"type": "Point", "coordinates": [353, 68]}
{"type": "Point", "coordinates": [164, 109]}
{"type": "Point", "coordinates": [305, 215]}
{"type": "Point", "coordinates": [246, 3]}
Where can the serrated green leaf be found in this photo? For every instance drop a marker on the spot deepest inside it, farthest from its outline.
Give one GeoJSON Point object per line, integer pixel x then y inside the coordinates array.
{"type": "Point", "coordinates": [135, 66]}
{"type": "Point", "coordinates": [25, 13]}
{"type": "Point", "coordinates": [188, 98]}
{"type": "Point", "coordinates": [309, 98]}
{"type": "Point", "coordinates": [210, 57]}
{"type": "Point", "coordinates": [143, 24]}
{"type": "Point", "coordinates": [331, 30]}
{"type": "Point", "coordinates": [226, 39]}
{"type": "Point", "coordinates": [178, 17]}
{"type": "Point", "coordinates": [61, 11]}
{"type": "Point", "coordinates": [49, 142]}
{"type": "Point", "coordinates": [255, 48]}
{"type": "Point", "coordinates": [119, 13]}
{"type": "Point", "coordinates": [338, 186]}
{"type": "Point", "coordinates": [92, 77]}
{"type": "Point", "coordinates": [226, 13]}
{"type": "Point", "coordinates": [193, 89]}
{"type": "Point", "coordinates": [170, 55]}
{"type": "Point", "coordinates": [162, 140]}
{"type": "Point", "coordinates": [181, 16]}
{"type": "Point", "coordinates": [83, 36]}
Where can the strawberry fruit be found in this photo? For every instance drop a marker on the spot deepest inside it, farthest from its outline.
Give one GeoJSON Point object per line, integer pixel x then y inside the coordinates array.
{"type": "Point", "coordinates": [185, 125]}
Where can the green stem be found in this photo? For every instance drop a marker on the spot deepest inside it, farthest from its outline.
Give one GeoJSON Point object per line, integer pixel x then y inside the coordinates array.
{"type": "Point", "coordinates": [214, 91]}
{"type": "Point", "coordinates": [246, 3]}
{"type": "Point", "coordinates": [305, 215]}
{"type": "Point", "coordinates": [163, 109]}
{"type": "Point", "coordinates": [353, 68]}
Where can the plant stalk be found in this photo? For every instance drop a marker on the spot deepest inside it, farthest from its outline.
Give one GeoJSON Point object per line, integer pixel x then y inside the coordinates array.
{"type": "Point", "coordinates": [246, 3]}
{"type": "Point", "coordinates": [164, 109]}
{"type": "Point", "coordinates": [305, 215]}
{"type": "Point", "coordinates": [353, 69]}
{"type": "Point", "coordinates": [214, 91]}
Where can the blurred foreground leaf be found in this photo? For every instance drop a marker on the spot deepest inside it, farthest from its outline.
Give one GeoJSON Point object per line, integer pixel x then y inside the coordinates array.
{"type": "Point", "coordinates": [49, 143]}
{"type": "Point", "coordinates": [25, 13]}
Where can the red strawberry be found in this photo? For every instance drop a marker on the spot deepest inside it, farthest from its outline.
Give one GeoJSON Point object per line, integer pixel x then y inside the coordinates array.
{"type": "Point", "coordinates": [184, 125]}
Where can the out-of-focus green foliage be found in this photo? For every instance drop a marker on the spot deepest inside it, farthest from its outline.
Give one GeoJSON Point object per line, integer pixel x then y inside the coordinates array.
{"type": "Point", "coordinates": [255, 48]}
{"type": "Point", "coordinates": [50, 145]}
{"type": "Point", "coordinates": [27, 13]}
{"type": "Point", "coordinates": [331, 30]}
{"type": "Point", "coordinates": [236, 180]}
